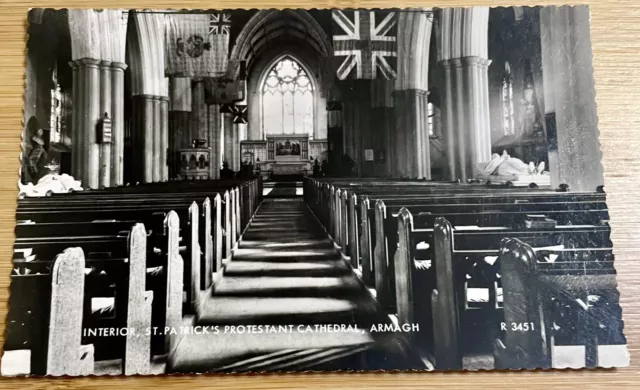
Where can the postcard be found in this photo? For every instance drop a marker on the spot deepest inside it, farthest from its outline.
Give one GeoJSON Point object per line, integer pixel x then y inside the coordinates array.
{"type": "Point", "coordinates": [215, 191]}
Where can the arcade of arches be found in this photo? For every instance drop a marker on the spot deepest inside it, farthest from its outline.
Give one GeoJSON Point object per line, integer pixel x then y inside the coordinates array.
{"type": "Point", "coordinates": [470, 82]}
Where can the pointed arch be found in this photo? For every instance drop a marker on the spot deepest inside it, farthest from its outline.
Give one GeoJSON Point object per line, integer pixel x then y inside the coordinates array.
{"type": "Point", "coordinates": [308, 108]}
{"type": "Point", "coordinates": [269, 25]}
{"type": "Point", "coordinates": [145, 53]}
{"type": "Point", "coordinates": [463, 32]}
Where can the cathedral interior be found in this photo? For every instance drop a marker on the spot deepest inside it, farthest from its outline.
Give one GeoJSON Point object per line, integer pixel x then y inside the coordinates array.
{"type": "Point", "coordinates": [467, 86]}
{"type": "Point", "coordinates": [281, 190]}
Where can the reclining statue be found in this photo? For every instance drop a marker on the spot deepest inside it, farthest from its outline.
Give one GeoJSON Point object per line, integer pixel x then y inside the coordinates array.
{"type": "Point", "coordinates": [506, 165]}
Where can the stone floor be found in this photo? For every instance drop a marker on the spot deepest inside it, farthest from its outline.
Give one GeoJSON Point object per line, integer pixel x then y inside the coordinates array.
{"type": "Point", "coordinates": [288, 301]}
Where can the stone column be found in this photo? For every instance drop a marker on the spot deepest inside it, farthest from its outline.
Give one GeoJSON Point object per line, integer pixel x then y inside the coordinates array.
{"type": "Point", "coordinates": [199, 128]}
{"type": "Point", "coordinates": [448, 122]}
{"type": "Point", "coordinates": [571, 116]}
{"type": "Point", "coordinates": [179, 121]}
{"type": "Point", "coordinates": [86, 103]}
{"type": "Point", "coordinates": [239, 129]}
{"type": "Point", "coordinates": [156, 134]}
{"type": "Point", "coordinates": [105, 108]}
{"type": "Point", "coordinates": [164, 138]}
{"type": "Point", "coordinates": [147, 137]}
{"type": "Point", "coordinates": [356, 121]}
{"type": "Point", "coordinates": [335, 137]}
{"type": "Point", "coordinates": [117, 123]}
{"type": "Point", "coordinates": [76, 158]}
{"type": "Point", "coordinates": [230, 139]}
{"type": "Point", "coordinates": [467, 128]}
{"type": "Point", "coordinates": [412, 155]}
{"type": "Point", "coordinates": [215, 140]}
{"type": "Point", "coordinates": [382, 126]}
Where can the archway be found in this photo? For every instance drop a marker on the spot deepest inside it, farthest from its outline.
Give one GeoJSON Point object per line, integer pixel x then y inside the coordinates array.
{"type": "Point", "coordinates": [269, 36]}
{"type": "Point", "coordinates": [287, 97]}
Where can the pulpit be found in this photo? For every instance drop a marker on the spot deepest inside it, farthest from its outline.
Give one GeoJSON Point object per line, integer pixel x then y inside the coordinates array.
{"type": "Point", "coordinates": [194, 164]}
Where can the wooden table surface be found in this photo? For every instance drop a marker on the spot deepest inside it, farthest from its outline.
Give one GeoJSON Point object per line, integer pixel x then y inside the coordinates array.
{"type": "Point", "coordinates": [616, 42]}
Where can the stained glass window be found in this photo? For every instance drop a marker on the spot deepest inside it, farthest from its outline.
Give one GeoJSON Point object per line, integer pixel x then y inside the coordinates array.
{"type": "Point", "coordinates": [287, 100]}
{"type": "Point", "coordinates": [508, 122]}
{"type": "Point", "coordinates": [55, 119]}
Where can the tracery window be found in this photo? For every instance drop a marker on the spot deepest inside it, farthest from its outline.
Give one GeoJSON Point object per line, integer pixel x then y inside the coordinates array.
{"type": "Point", "coordinates": [55, 116]}
{"type": "Point", "coordinates": [508, 121]}
{"type": "Point", "coordinates": [287, 100]}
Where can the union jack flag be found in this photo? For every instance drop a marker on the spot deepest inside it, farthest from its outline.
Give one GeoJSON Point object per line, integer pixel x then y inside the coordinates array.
{"type": "Point", "coordinates": [219, 24]}
{"type": "Point", "coordinates": [367, 41]}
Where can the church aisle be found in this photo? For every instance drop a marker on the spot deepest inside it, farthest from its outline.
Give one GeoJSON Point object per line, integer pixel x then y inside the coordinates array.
{"type": "Point", "coordinates": [288, 301]}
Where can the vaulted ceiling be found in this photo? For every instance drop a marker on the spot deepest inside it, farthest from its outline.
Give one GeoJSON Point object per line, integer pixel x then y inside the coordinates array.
{"type": "Point", "coordinates": [274, 28]}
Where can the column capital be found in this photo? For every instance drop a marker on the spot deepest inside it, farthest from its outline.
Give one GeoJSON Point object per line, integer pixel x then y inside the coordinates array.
{"type": "Point", "coordinates": [163, 98]}
{"type": "Point", "coordinates": [119, 66]}
{"type": "Point", "coordinates": [87, 62]}
{"type": "Point", "coordinates": [416, 91]}
{"type": "Point", "coordinates": [472, 60]}
{"type": "Point", "coordinates": [456, 62]}
{"type": "Point", "coordinates": [446, 64]}
{"type": "Point", "coordinates": [151, 97]}
{"type": "Point", "coordinates": [105, 64]}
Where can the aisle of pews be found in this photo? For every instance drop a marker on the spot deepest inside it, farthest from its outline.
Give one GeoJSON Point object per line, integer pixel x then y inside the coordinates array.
{"type": "Point", "coordinates": [209, 276]}
{"type": "Point", "coordinates": [495, 276]}
{"type": "Point", "coordinates": [119, 267]}
{"type": "Point", "coordinates": [289, 302]}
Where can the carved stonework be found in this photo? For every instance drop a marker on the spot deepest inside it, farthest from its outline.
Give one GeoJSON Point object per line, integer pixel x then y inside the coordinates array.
{"type": "Point", "coordinates": [194, 164]}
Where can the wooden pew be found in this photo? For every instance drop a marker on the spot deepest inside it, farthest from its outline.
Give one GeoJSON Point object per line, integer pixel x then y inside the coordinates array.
{"type": "Point", "coordinates": [154, 217]}
{"type": "Point", "coordinates": [585, 307]}
{"type": "Point", "coordinates": [115, 197]}
{"type": "Point", "coordinates": [67, 322]}
{"type": "Point", "coordinates": [378, 238]}
{"type": "Point", "coordinates": [458, 262]}
{"type": "Point", "coordinates": [198, 233]}
{"type": "Point", "coordinates": [323, 202]}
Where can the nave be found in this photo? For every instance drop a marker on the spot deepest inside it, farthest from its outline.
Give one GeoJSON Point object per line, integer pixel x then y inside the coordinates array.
{"type": "Point", "coordinates": [234, 284]}
{"type": "Point", "coordinates": [286, 272]}
{"type": "Point", "coordinates": [488, 277]}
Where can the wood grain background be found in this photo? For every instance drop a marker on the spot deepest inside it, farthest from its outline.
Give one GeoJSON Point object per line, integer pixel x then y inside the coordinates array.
{"type": "Point", "coordinates": [616, 42]}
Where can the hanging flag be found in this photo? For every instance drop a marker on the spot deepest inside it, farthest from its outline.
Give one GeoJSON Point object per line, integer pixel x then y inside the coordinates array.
{"type": "Point", "coordinates": [239, 112]}
{"type": "Point", "coordinates": [229, 88]}
{"type": "Point", "coordinates": [365, 43]}
{"type": "Point", "coordinates": [197, 45]}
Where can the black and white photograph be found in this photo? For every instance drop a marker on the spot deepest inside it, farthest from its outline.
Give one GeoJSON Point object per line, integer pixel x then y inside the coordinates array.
{"type": "Point", "coordinates": [264, 190]}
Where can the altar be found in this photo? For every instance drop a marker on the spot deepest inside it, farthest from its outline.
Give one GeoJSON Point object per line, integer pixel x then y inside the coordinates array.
{"type": "Point", "coordinates": [285, 154]}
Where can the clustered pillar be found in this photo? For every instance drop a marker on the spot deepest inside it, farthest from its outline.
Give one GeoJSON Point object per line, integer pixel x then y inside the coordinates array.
{"type": "Point", "coordinates": [180, 121]}
{"type": "Point", "coordinates": [231, 143]}
{"type": "Point", "coordinates": [98, 89]}
{"type": "Point", "coordinates": [571, 116]}
{"type": "Point", "coordinates": [117, 123]}
{"type": "Point", "coordinates": [411, 147]}
{"type": "Point", "coordinates": [215, 137]}
{"type": "Point", "coordinates": [466, 123]}
{"type": "Point", "coordinates": [199, 111]}
{"type": "Point", "coordinates": [356, 109]}
{"type": "Point", "coordinates": [149, 138]}
{"type": "Point", "coordinates": [382, 127]}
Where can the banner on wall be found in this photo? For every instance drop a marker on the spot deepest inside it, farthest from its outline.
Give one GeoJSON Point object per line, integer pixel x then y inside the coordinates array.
{"type": "Point", "coordinates": [365, 44]}
{"type": "Point", "coordinates": [197, 45]}
{"type": "Point", "coordinates": [230, 88]}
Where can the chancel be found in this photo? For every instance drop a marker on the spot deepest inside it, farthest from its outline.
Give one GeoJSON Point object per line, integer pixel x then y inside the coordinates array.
{"type": "Point", "coordinates": [281, 190]}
